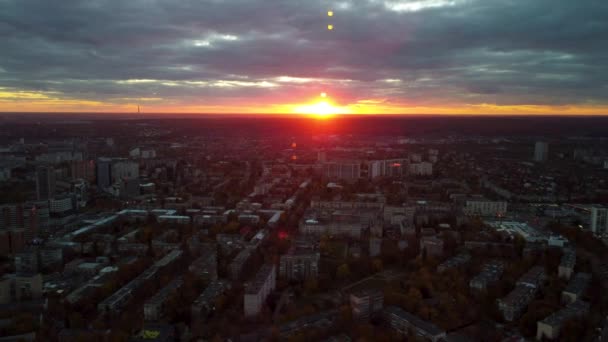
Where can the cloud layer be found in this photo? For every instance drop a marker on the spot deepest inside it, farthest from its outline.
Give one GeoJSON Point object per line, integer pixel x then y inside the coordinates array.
{"type": "Point", "coordinates": [258, 53]}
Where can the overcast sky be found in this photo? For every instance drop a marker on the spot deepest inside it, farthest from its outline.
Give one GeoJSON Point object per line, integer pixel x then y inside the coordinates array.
{"type": "Point", "coordinates": [263, 55]}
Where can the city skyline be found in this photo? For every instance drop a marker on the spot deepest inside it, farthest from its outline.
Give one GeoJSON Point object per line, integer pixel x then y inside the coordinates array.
{"type": "Point", "coordinates": [380, 57]}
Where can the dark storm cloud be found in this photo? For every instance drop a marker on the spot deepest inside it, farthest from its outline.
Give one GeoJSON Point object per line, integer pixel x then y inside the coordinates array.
{"type": "Point", "coordinates": [458, 51]}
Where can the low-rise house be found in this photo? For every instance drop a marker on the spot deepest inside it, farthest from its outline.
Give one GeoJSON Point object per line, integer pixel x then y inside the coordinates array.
{"type": "Point", "coordinates": [319, 320]}
{"type": "Point", "coordinates": [513, 305]}
{"type": "Point", "coordinates": [454, 262]}
{"type": "Point", "coordinates": [154, 307]}
{"type": "Point", "coordinates": [533, 278]}
{"type": "Point", "coordinates": [432, 245]}
{"type": "Point", "coordinates": [116, 301]}
{"type": "Point", "coordinates": [490, 273]}
{"type": "Point", "coordinates": [525, 290]}
{"type": "Point", "coordinates": [404, 322]}
{"type": "Point", "coordinates": [205, 266]}
{"type": "Point", "coordinates": [549, 328]}
{"type": "Point", "coordinates": [173, 219]}
{"type": "Point", "coordinates": [576, 288]}
{"type": "Point", "coordinates": [205, 303]}
{"type": "Point", "coordinates": [567, 263]}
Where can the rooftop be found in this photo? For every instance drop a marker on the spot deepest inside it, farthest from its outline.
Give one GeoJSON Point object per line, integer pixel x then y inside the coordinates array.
{"type": "Point", "coordinates": [428, 327]}
{"type": "Point", "coordinates": [578, 284]}
{"type": "Point", "coordinates": [166, 291]}
{"type": "Point", "coordinates": [568, 258]}
{"type": "Point", "coordinates": [572, 310]}
{"type": "Point", "coordinates": [167, 259]}
{"type": "Point", "coordinates": [455, 261]}
{"type": "Point", "coordinates": [491, 271]}
{"type": "Point", "coordinates": [214, 289]}
{"type": "Point", "coordinates": [520, 295]}
{"type": "Point", "coordinates": [533, 277]}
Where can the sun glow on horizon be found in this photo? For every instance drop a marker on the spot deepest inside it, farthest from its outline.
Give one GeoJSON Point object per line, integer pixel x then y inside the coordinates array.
{"type": "Point", "coordinates": [322, 109]}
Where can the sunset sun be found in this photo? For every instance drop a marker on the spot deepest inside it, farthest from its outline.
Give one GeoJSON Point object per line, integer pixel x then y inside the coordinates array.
{"type": "Point", "coordinates": [322, 108]}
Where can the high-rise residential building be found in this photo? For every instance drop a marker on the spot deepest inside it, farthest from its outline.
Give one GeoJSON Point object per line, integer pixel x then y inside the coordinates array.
{"type": "Point", "coordinates": [83, 169]}
{"type": "Point", "coordinates": [36, 218]}
{"type": "Point", "coordinates": [593, 216]}
{"type": "Point", "coordinates": [321, 156]}
{"type": "Point", "coordinates": [299, 264]}
{"type": "Point", "coordinates": [23, 222]}
{"type": "Point", "coordinates": [11, 216]}
{"type": "Point", "coordinates": [484, 207]}
{"type": "Point", "coordinates": [541, 151]}
{"type": "Point", "coordinates": [235, 268]}
{"type": "Point", "coordinates": [599, 220]}
{"type": "Point", "coordinates": [375, 246]}
{"type": "Point", "coordinates": [388, 168]}
{"type": "Point", "coordinates": [258, 289]}
{"type": "Point", "coordinates": [345, 171]}
{"type": "Point", "coordinates": [129, 188]}
{"type": "Point", "coordinates": [148, 153]}
{"type": "Point", "coordinates": [365, 303]}
{"type": "Point", "coordinates": [124, 169]}
{"type": "Point", "coordinates": [421, 169]}
{"type": "Point", "coordinates": [18, 287]}
{"type": "Point", "coordinates": [45, 182]}
{"type": "Point", "coordinates": [104, 173]}
{"type": "Point", "coordinates": [61, 205]}
{"type": "Point", "coordinates": [27, 261]}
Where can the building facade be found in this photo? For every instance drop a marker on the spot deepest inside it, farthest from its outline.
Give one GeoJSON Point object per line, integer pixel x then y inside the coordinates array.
{"type": "Point", "coordinates": [365, 303]}
{"type": "Point", "coordinates": [258, 290]}
{"type": "Point", "coordinates": [299, 264]}
{"type": "Point", "coordinates": [541, 151]}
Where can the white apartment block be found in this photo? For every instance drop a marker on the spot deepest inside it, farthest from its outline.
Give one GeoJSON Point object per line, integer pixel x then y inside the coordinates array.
{"type": "Point", "coordinates": [485, 208]}
{"type": "Point", "coordinates": [421, 169]}
{"type": "Point", "coordinates": [258, 290]}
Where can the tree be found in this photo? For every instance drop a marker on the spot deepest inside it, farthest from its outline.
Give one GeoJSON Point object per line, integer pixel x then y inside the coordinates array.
{"type": "Point", "coordinates": [377, 265]}
{"type": "Point", "coordinates": [343, 271]}
{"type": "Point", "coordinates": [231, 227]}
{"type": "Point", "coordinates": [311, 285]}
{"type": "Point", "coordinates": [573, 330]}
{"type": "Point", "coordinates": [76, 321]}
{"type": "Point", "coordinates": [412, 299]}
{"type": "Point", "coordinates": [527, 323]}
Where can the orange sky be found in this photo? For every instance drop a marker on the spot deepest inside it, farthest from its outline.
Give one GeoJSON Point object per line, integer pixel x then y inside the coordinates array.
{"type": "Point", "coordinates": [24, 101]}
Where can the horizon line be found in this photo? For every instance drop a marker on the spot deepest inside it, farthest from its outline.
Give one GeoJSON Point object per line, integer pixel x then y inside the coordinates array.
{"type": "Point", "coordinates": [300, 115]}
